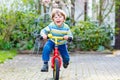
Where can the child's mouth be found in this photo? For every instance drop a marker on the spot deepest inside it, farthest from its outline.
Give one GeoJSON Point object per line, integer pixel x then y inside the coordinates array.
{"type": "Point", "coordinates": [58, 21]}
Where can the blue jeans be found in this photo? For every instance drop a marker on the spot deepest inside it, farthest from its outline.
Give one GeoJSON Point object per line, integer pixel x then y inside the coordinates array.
{"type": "Point", "coordinates": [49, 46]}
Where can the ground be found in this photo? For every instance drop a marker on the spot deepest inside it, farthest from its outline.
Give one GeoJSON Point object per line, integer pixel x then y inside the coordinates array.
{"type": "Point", "coordinates": [87, 66]}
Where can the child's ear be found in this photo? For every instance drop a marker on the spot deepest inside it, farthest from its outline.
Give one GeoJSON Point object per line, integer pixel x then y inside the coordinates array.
{"type": "Point", "coordinates": [52, 19]}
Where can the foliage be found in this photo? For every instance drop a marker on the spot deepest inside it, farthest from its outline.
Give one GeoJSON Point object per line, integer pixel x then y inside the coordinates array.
{"type": "Point", "coordinates": [5, 45]}
{"type": "Point", "coordinates": [18, 23]}
{"type": "Point", "coordinates": [4, 55]}
{"type": "Point", "coordinates": [16, 29]}
{"type": "Point", "coordinates": [90, 36]}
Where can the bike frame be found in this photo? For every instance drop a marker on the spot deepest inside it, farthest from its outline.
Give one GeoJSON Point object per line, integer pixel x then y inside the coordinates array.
{"type": "Point", "coordinates": [56, 55]}
{"type": "Point", "coordinates": [56, 52]}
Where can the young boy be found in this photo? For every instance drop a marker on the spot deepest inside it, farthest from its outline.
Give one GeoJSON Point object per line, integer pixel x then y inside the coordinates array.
{"type": "Point", "coordinates": [60, 29]}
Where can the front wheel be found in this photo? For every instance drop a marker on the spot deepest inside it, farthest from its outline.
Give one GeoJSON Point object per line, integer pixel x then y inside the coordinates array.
{"type": "Point", "coordinates": [56, 69]}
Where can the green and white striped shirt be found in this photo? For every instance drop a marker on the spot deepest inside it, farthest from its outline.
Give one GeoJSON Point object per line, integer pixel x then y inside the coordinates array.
{"type": "Point", "coordinates": [57, 31]}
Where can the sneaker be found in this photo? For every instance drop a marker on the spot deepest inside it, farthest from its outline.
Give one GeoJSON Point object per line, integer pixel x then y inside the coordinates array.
{"type": "Point", "coordinates": [65, 65]}
{"type": "Point", "coordinates": [44, 68]}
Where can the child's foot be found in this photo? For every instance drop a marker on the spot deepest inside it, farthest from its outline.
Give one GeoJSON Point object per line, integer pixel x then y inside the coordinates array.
{"type": "Point", "coordinates": [65, 65]}
{"type": "Point", "coordinates": [44, 68]}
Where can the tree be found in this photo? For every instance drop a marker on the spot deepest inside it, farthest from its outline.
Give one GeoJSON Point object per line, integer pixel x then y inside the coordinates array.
{"type": "Point", "coordinates": [105, 8]}
{"type": "Point", "coordinates": [117, 11]}
{"type": "Point", "coordinates": [38, 6]}
{"type": "Point", "coordinates": [85, 10]}
{"type": "Point", "coordinates": [73, 12]}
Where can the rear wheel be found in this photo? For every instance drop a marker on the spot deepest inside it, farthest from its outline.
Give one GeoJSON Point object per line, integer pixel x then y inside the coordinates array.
{"type": "Point", "coordinates": [56, 69]}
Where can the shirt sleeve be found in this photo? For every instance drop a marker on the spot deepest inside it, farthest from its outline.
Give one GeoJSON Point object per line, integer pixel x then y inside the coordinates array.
{"type": "Point", "coordinates": [69, 33]}
{"type": "Point", "coordinates": [45, 31]}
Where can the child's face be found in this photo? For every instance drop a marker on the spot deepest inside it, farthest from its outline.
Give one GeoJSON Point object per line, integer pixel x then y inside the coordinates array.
{"type": "Point", "coordinates": [58, 19]}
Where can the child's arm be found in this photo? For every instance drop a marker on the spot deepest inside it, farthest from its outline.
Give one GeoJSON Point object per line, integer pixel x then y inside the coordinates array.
{"type": "Point", "coordinates": [69, 34]}
{"type": "Point", "coordinates": [44, 32]}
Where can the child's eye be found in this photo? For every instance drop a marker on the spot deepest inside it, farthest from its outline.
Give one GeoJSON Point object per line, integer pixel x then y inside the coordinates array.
{"type": "Point", "coordinates": [56, 17]}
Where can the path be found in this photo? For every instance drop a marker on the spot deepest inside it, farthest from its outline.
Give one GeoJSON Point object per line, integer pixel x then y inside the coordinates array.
{"type": "Point", "coordinates": [82, 67]}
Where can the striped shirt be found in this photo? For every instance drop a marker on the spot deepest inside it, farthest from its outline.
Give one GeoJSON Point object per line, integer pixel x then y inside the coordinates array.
{"type": "Point", "coordinates": [57, 31]}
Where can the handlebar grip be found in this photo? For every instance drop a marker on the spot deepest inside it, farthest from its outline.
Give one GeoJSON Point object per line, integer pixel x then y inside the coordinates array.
{"type": "Point", "coordinates": [69, 39]}
{"type": "Point", "coordinates": [47, 37]}
{"type": "Point", "coordinates": [40, 37]}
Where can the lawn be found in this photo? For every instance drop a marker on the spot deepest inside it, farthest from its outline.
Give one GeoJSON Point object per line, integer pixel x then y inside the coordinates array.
{"type": "Point", "coordinates": [5, 55]}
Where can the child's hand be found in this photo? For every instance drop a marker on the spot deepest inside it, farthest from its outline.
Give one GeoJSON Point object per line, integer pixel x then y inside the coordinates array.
{"type": "Point", "coordinates": [65, 37]}
{"type": "Point", "coordinates": [44, 36]}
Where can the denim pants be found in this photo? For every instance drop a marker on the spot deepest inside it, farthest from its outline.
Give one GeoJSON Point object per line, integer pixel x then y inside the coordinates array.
{"type": "Point", "coordinates": [49, 46]}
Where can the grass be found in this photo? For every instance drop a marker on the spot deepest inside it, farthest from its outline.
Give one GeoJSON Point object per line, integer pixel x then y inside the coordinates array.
{"type": "Point", "coordinates": [4, 55]}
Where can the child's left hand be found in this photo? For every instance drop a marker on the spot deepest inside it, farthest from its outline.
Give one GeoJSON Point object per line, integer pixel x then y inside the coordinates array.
{"type": "Point", "coordinates": [65, 37]}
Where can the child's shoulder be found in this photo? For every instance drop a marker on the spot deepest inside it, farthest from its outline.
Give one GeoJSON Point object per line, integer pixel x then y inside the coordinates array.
{"type": "Point", "coordinates": [51, 24]}
{"type": "Point", "coordinates": [66, 25]}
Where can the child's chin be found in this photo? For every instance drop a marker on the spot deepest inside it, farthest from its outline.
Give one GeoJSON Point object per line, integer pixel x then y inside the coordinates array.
{"type": "Point", "coordinates": [58, 25]}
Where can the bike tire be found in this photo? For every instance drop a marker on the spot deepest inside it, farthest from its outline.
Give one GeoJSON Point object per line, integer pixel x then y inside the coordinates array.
{"type": "Point", "coordinates": [56, 69]}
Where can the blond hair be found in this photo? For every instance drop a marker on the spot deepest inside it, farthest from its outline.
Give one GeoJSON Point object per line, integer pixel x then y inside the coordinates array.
{"type": "Point", "coordinates": [58, 11]}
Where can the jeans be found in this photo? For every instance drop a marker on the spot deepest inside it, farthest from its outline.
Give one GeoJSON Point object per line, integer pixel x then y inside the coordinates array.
{"type": "Point", "coordinates": [49, 46]}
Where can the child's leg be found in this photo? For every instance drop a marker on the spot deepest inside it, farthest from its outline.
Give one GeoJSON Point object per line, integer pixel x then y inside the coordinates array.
{"type": "Point", "coordinates": [46, 54]}
{"type": "Point", "coordinates": [64, 53]}
{"type": "Point", "coordinates": [48, 47]}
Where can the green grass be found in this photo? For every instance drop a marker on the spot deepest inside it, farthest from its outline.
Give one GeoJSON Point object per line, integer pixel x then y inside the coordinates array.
{"type": "Point", "coordinates": [4, 55]}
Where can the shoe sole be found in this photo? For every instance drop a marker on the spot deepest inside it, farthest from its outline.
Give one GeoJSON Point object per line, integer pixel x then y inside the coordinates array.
{"type": "Point", "coordinates": [44, 70]}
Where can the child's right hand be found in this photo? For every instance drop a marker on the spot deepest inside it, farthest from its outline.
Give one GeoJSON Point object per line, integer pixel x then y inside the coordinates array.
{"type": "Point", "coordinates": [44, 36]}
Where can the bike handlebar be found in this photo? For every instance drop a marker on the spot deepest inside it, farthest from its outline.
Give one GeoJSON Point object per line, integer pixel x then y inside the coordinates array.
{"type": "Point", "coordinates": [55, 37]}
{"type": "Point", "coordinates": [69, 39]}
{"type": "Point", "coordinates": [60, 38]}
{"type": "Point", "coordinates": [49, 36]}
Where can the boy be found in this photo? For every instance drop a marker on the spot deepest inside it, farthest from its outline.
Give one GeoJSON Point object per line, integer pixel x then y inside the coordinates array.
{"type": "Point", "coordinates": [60, 29]}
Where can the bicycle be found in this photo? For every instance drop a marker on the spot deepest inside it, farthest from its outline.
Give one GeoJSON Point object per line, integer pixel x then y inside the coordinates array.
{"type": "Point", "coordinates": [56, 60]}
{"type": "Point", "coordinates": [38, 43]}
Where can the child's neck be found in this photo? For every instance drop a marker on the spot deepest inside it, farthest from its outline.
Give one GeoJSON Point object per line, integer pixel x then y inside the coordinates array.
{"type": "Point", "coordinates": [59, 25]}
